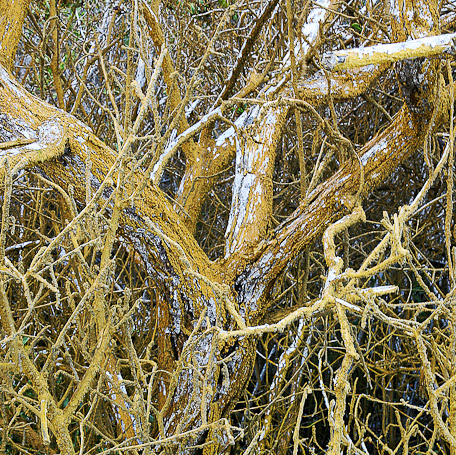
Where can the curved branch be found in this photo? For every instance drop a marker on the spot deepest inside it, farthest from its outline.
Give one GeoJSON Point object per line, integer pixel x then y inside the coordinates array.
{"type": "Point", "coordinates": [331, 200]}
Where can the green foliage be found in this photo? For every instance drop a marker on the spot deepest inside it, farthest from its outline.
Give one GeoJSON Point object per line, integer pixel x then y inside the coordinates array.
{"type": "Point", "coordinates": [238, 110]}
{"type": "Point", "coordinates": [356, 27]}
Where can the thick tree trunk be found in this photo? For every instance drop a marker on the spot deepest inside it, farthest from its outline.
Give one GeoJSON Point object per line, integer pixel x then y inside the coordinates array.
{"type": "Point", "coordinates": [208, 311]}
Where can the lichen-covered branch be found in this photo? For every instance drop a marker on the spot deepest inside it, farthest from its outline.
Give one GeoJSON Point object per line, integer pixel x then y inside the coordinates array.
{"type": "Point", "coordinates": [389, 53]}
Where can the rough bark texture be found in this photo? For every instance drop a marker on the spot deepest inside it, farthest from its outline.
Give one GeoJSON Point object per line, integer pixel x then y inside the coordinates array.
{"type": "Point", "coordinates": [205, 309]}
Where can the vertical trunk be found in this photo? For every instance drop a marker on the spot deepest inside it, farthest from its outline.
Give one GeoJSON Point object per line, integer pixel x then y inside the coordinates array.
{"type": "Point", "coordinates": [12, 15]}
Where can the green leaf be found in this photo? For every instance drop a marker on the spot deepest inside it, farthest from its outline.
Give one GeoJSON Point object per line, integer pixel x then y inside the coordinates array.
{"type": "Point", "coordinates": [355, 26]}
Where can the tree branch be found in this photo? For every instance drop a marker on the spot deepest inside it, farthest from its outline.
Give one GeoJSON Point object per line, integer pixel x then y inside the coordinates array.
{"type": "Point", "coordinates": [381, 54]}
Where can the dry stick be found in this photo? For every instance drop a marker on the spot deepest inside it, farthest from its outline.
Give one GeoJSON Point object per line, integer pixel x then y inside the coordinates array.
{"type": "Point", "coordinates": [284, 363]}
{"type": "Point", "coordinates": [129, 76]}
{"type": "Point", "coordinates": [100, 316]}
{"type": "Point", "coordinates": [76, 310]}
{"type": "Point", "coordinates": [335, 265]}
{"type": "Point", "coordinates": [6, 314]}
{"type": "Point", "coordinates": [405, 435]}
{"type": "Point", "coordinates": [8, 182]}
{"type": "Point", "coordinates": [430, 382]}
{"type": "Point", "coordinates": [164, 67]}
{"type": "Point", "coordinates": [302, 162]}
{"type": "Point", "coordinates": [44, 423]}
{"type": "Point", "coordinates": [319, 168]}
{"type": "Point", "coordinates": [247, 48]}
{"type": "Point", "coordinates": [84, 385]}
{"type": "Point", "coordinates": [149, 406]}
{"type": "Point", "coordinates": [451, 266]}
{"type": "Point", "coordinates": [449, 199]}
{"type": "Point", "coordinates": [84, 421]}
{"type": "Point", "coordinates": [83, 78]}
{"type": "Point", "coordinates": [119, 401]}
{"type": "Point", "coordinates": [296, 440]}
{"type": "Point", "coordinates": [204, 395]}
{"type": "Point", "coordinates": [42, 53]}
{"type": "Point", "coordinates": [115, 118]}
{"type": "Point", "coordinates": [170, 440]}
{"type": "Point", "coordinates": [107, 248]}
{"type": "Point", "coordinates": [73, 211]}
{"type": "Point", "coordinates": [305, 312]}
{"type": "Point", "coordinates": [139, 404]}
{"type": "Point", "coordinates": [415, 205]}
{"type": "Point", "coordinates": [39, 384]}
{"type": "Point", "coordinates": [169, 72]}
{"type": "Point", "coordinates": [191, 86]}
{"type": "Point", "coordinates": [55, 55]}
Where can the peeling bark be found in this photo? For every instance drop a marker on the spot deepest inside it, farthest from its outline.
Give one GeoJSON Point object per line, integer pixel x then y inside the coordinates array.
{"type": "Point", "coordinates": [200, 299]}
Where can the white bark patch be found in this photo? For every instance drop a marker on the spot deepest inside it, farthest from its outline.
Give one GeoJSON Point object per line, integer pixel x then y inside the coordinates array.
{"type": "Point", "coordinates": [12, 129]}
{"type": "Point", "coordinates": [244, 120]}
{"type": "Point", "coordinates": [12, 84]}
{"type": "Point", "coordinates": [48, 134]}
{"type": "Point", "coordinates": [251, 168]}
{"type": "Point", "coordinates": [310, 31]}
{"type": "Point", "coordinates": [370, 154]}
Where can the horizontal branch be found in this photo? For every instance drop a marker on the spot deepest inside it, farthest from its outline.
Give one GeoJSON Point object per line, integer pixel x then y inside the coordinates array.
{"type": "Point", "coordinates": [344, 84]}
{"type": "Point", "coordinates": [389, 53]}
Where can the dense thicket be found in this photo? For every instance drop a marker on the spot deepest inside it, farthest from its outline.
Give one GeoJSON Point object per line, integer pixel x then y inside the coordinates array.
{"type": "Point", "coordinates": [222, 233]}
